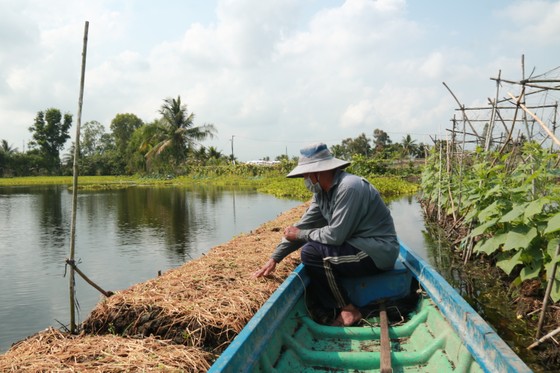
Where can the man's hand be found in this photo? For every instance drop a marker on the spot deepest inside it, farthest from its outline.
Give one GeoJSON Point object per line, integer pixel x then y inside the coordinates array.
{"type": "Point", "coordinates": [291, 233]}
{"type": "Point", "coordinates": [266, 269]}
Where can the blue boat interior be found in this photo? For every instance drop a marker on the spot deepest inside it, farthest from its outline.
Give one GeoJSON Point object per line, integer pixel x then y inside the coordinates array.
{"type": "Point", "coordinates": [431, 329]}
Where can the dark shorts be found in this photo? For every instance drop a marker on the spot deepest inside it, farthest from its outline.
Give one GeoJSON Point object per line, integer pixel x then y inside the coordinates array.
{"type": "Point", "coordinates": [326, 264]}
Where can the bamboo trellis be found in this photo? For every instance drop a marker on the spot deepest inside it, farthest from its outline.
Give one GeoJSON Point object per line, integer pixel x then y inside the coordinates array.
{"type": "Point", "coordinates": [537, 102]}
{"type": "Point", "coordinates": [535, 106]}
{"type": "Point", "coordinates": [495, 126]}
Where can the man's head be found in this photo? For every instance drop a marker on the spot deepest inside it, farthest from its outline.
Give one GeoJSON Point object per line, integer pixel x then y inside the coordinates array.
{"type": "Point", "coordinates": [316, 158]}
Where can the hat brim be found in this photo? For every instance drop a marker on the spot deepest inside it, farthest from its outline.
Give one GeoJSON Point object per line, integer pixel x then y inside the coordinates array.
{"type": "Point", "coordinates": [319, 166]}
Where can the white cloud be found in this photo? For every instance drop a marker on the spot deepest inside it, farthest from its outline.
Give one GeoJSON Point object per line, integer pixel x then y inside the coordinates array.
{"type": "Point", "coordinates": [359, 114]}
{"type": "Point", "coordinates": [274, 74]}
{"type": "Point", "coordinates": [534, 21]}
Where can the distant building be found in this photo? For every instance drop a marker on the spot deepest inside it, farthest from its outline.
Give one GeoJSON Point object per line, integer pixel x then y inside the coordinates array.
{"type": "Point", "coordinates": [263, 163]}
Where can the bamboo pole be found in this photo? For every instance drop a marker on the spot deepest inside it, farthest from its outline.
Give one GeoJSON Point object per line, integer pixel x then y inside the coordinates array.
{"type": "Point", "coordinates": [450, 149]}
{"type": "Point", "coordinates": [89, 281]}
{"type": "Point", "coordinates": [524, 114]}
{"type": "Point", "coordinates": [488, 140]}
{"type": "Point", "coordinates": [499, 115]}
{"type": "Point", "coordinates": [544, 127]}
{"type": "Point", "coordinates": [547, 292]}
{"type": "Point", "coordinates": [440, 181]}
{"type": "Point", "coordinates": [510, 133]}
{"type": "Point", "coordinates": [75, 184]}
{"type": "Point", "coordinates": [504, 108]}
{"type": "Point", "coordinates": [462, 107]}
{"type": "Point", "coordinates": [554, 121]}
{"type": "Point", "coordinates": [461, 165]}
{"type": "Point", "coordinates": [541, 340]}
{"type": "Point", "coordinates": [529, 83]}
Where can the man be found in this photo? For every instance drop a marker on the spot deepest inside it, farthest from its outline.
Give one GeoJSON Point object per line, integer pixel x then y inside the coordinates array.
{"type": "Point", "coordinates": [346, 231]}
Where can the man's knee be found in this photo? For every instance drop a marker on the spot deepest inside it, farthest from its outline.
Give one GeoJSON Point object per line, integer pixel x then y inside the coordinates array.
{"type": "Point", "coordinates": [310, 254]}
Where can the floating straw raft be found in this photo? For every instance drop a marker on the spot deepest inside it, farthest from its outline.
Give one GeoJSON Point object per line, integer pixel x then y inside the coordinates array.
{"type": "Point", "coordinates": [180, 321]}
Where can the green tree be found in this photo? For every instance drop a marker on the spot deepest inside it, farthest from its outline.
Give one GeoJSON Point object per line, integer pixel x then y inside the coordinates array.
{"type": "Point", "coordinates": [339, 151]}
{"type": "Point", "coordinates": [141, 142]}
{"type": "Point", "coordinates": [91, 135]}
{"type": "Point", "coordinates": [122, 128]}
{"type": "Point", "coordinates": [359, 145]}
{"type": "Point", "coordinates": [177, 135]}
{"type": "Point", "coordinates": [381, 139]}
{"type": "Point", "coordinates": [50, 132]}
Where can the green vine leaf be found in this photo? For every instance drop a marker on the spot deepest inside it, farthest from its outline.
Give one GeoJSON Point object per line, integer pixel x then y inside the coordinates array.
{"type": "Point", "coordinates": [555, 292]}
{"type": "Point", "coordinates": [533, 259]}
{"type": "Point", "coordinates": [520, 237]}
{"type": "Point", "coordinates": [550, 266]}
{"type": "Point", "coordinates": [491, 245]}
{"type": "Point", "coordinates": [536, 207]}
{"type": "Point", "coordinates": [514, 213]}
{"type": "Point", "coordinates": [481, 229]}
{"type": "Point", "coordinates": [530, 271]}
{"type": "Point", "coordinates": [489, 211]}
{"type": "Point", "coordinates": [551, 248]}
{"type": "Point", "coordinates": [507, 261]}
{"type": "Point", "coordinates": [553, 224]}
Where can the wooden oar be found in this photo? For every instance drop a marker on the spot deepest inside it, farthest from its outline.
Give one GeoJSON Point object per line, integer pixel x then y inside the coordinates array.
{"type": "Point", "coordinates": [385, 341]}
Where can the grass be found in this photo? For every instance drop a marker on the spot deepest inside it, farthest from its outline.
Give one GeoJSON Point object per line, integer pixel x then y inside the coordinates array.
{"type": "Point", "coordinates": [276, 185]}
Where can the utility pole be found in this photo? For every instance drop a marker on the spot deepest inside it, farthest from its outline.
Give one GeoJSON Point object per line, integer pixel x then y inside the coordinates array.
{"type": "Point", "coordinates": [232, 156]}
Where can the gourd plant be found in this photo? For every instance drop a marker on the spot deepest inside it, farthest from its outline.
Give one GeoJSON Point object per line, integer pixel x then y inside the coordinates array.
{"type": "Point", "coordinates": [511, 203]}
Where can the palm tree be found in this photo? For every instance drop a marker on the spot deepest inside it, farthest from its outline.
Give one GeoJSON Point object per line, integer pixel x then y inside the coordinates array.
{"type": "Point", "coordinates": [213, 152]}
{"type": "Point", "coordinates": [409, 146]}
{"type": "Point", "coordinates": [6, 148]}
{"type": "Point", "coordinates": [6, 157]}
{"type": "Point", "coordinates": [177, 134]}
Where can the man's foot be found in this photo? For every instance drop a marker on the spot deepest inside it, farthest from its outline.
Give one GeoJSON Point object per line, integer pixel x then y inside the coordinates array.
{"type": "Point", "coordinates": [349, 315]}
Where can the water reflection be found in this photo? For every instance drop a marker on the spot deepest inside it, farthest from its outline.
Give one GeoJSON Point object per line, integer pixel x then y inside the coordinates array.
{"type": "Point", "coordinates": [53, 222]}
{"type": "Point", "coordinates": [122, 237]}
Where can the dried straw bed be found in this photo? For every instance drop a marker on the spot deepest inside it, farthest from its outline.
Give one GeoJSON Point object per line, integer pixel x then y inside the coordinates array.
{"type": "Point", "coordinates": [184, 318]}
{"type": "Point", "coordinates": [53, 351]}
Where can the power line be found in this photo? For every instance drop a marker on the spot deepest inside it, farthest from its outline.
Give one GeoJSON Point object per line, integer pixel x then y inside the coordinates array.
{"type": "Point", "coordinates": [307, 141]}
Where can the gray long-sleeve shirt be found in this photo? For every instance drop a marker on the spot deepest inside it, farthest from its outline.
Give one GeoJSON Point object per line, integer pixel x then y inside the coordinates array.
{"type": "Point", "coordinates": [351, 211]}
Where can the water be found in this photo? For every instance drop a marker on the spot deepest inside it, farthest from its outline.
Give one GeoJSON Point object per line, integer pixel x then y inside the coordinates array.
{"type": "Point", "coordinates": [126, 236]}
{"type": "Point", "coordinates": [122, 237]}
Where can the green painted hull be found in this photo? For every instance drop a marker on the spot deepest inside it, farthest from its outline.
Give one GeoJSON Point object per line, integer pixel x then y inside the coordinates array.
{"type": "Point", "coordinates": [424, 343]}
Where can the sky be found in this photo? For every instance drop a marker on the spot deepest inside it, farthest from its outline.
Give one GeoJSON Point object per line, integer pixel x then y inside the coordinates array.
{"type": "Point", "coordinates": [271, 76]}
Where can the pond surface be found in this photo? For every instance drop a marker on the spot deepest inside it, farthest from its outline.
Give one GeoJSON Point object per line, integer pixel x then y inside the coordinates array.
{"type": "Point", "coordinates": [122, 237]}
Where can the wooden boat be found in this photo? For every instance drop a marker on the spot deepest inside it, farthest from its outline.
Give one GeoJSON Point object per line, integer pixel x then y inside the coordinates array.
{"type": "Point", "coordinates": [438, 332]}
